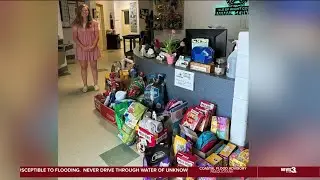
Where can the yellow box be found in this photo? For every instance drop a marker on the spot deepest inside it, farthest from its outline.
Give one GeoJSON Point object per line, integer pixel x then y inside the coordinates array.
{"type": "Point", "coordinates": [227, 150]}
{"type": "Point", "coordinates": [124, 75]}
{"type": "Point", "coordinates": [214, 124]}
{"type": "Point", "coordinates": [107, 75]}
{"type": "Point", "coordinates": [239, 158]}
{"type": "Point", "coordinates": [214, 159]}
{"type": "Point", "coordinates": [236, 163]}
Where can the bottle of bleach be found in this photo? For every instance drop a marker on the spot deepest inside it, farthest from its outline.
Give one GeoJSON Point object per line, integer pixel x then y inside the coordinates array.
{"type": "Point", "coordinates": [232, 62]}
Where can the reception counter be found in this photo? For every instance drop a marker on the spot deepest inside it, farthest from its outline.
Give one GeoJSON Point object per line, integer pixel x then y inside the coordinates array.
{"type": "Point", "coordinates": [206, 86]}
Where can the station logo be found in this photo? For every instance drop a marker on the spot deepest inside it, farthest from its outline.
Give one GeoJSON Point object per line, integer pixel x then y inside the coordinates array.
{"type": "Point", "coordinates": [290, 170]}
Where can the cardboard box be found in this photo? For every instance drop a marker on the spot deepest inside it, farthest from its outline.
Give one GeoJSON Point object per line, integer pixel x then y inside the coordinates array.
{"type": "Point", "coordinates": [214, 159]}
{"type": "Point", "coordinates": [189, 133]}
{"type": "Point", "coordinates": [176, 114]}
{"type": "Point", "coordinates": [206, 68]}
{"type": "Point", "coordinates": [239, 158]}
{"type": "Point", "coordinates": [106, 112]}
{"type": "Point", "coordinates": [194, 137]}
{"type": "Point", "coordinates": [226, 152]}
{"type": "Point", "coordinates": [207, 154]}
{"type": "Point", "coordinates": [186, 160]}
{"type": "Point", "coordinates": [152, 139]}
{"type": "Point", "coordinates": [202, 163]}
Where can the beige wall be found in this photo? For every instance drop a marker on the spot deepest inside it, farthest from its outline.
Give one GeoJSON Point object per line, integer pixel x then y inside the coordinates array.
{"type": "Point", "coordinates": [118, 7]}
{"type": "Point", "coordinates": [200, 14]}
{"type": "Point", "coordinates": [108, 7]}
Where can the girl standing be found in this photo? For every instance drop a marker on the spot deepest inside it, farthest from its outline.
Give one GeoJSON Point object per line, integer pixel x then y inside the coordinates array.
{"type": "Point", "coordinates": [86, 37]}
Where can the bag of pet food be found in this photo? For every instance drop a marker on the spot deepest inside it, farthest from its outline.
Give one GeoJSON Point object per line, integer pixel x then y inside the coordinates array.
{"type": "Point", "coordinates": [210, 106]}
{"type": "Point", "coordinates": [206, 119]}
{"type": "Point", "coordinates": [127, 138]}
{"type": "Point", "coordinates": [192, 119]}
{"type": "Point", "coordinates": [112, 81]}
{"type": "Point", "coordinates": [120, 108]}
{"type": "Point", "coordinates": [170, 104]}
{"type": "Point", "coordinates": [154, 94]}
{"type": "Point", "coordinates": [157, 156]}
{"type": "Point", "coordinates": [140, 98]}
{"type": "Point", "coordinates": [181, 145]}
{"type": "Point", "coordinates": [221, 127]}
{"type": "Point", "coordinates": [136, 88]}
{"type": "Point", "coordinates": [134, 114]}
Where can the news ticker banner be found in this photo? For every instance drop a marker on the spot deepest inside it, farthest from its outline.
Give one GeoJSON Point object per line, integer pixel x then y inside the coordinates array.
{"type": "Point", "coordinates": [169, 172]}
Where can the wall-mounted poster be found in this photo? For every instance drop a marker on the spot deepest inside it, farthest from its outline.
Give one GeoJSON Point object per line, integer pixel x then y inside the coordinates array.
{"type": "Point", "coordinates": [232, 7]}
{"type": "Point", "coordinates": [168, 14]}
{"type": "Point", "coordinates": [64, 8]}
{"type": "Point", "coordinates": [133, 17]}
{"type": "Point", "coordinates": [72, 10]}
{"type": "Point", "coordinates": [143, 13]}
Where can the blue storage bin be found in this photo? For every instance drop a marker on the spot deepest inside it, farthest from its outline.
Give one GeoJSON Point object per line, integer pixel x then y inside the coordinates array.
{"type": "Point", "coordinates": [203, 55]}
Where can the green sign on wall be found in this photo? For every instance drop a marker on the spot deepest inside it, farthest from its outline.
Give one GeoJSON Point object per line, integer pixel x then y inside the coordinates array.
{"type": "Point", "coordinates": [232, 7]}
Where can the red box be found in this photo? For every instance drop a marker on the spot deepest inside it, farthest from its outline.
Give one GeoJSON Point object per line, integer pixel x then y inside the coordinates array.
{"type": "Point", "coordinates": [106, 112]}
{"type": "Point", "coordinates": [186, 160]}
{"type": "Point", "coordinates": [152, 139]}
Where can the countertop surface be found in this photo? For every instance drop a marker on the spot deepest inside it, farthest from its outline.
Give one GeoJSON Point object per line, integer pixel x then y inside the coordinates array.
{"type": "Point", "coordinates": [137, 53]}
{"type": "Point", "coordinates": [209, 87]}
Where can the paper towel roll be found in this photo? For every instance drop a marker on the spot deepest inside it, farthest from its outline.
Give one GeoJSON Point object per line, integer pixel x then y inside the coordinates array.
{"type": "Point", "coordinates": [151, 125]}
{"type": "Point", "coordinates": [143, 122]}
{"type": "Point", "coordinates": [158, 126]}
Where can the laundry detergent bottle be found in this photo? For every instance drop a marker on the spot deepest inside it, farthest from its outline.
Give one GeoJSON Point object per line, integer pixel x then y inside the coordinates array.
{"type": "Point", "coordinates": [232, 62]}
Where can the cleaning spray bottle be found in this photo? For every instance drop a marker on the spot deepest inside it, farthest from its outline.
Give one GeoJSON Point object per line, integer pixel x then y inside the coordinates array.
{"type": "Point", "coordinates": [232, 62]}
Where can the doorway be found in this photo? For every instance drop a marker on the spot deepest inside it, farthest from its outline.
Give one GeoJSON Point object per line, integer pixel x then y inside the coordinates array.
{"type": "Point", "coordinates": [125, 22]}
{"type": "Point", "coordinates": [102, 33]}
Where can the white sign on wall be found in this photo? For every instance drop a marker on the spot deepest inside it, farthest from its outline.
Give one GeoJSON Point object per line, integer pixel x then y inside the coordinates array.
{"type": "Point", "coordinates": [184, 79]}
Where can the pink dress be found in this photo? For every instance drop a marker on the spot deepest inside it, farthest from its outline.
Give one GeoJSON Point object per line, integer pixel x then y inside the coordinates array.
{"type": "Point", "coordinates": [86, 36]}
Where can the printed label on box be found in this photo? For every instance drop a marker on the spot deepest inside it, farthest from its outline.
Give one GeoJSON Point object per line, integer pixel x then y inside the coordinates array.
{"type": "Point", "coordinates": [198, 68]}
{"type": "Point", "coordinates": [144, 135]}
{"type": "Point", "coordinates": [186, 160]}
{"type": "Point", "coordinates": [162, 137]}
{"type": "Point", "coordinates": [182, 162]}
